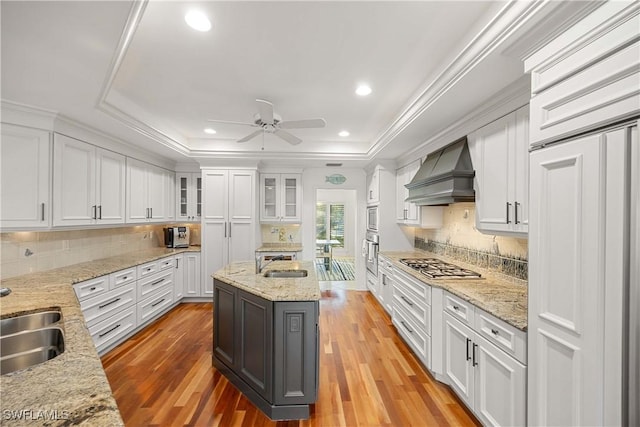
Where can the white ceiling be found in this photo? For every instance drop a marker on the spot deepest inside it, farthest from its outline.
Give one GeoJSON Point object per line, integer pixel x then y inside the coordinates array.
{"type": "Point", "coordinates": [137, 72]}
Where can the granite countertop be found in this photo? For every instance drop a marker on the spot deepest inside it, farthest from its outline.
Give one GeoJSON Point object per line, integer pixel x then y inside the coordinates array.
{"type": "Point", "coordinates": [243, 276]}
{"type": "Point", "coordinates": [72, 386]}
{"type": "Point", "coordinates": [497, 294]}
{"type": "Point", "coordinates": [280, 247]}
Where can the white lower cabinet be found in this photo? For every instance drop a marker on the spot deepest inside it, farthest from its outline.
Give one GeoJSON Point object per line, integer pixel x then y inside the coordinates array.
{"type": "Point", "coordinates": [178, 277]}
{"type": "Point", "coordinates": [192, 276]}
{"type": "Point", "coordinates": [114, 329]}
{"type": "Point", "coordinates": [489, 381]}
{"type": "Point", "coordinates": [157, 301]}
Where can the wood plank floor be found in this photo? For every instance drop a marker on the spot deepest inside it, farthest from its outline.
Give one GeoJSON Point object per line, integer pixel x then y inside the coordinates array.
{"type": "Point", "coordinates": [368, 377]}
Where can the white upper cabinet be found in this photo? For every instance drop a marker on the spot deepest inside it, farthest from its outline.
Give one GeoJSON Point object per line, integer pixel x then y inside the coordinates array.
{"type": "Point", "coordinates": [150, 193]}
{"type": "Point", "coordinates": [88, 184]}
{"type": "Point", "coordinates": [373, 187]}
{"type": "Point", "coordinates": [499, 153]}
{"type": "Point", "coordinates": [280, 197]}
{"type": "Point", "coordinates": [188, 196]}
{"type": "Point", "coordinates": [407, 213]}
{"type": "Point", "coordinates": [25, 177]}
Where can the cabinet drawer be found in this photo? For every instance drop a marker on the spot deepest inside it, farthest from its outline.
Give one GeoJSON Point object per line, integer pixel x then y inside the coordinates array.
{"type": "Point", "coordinates": [513, 341]}
{"type": "Point", "coordinates": [123, 277]}
{"type": "Point", "coordinates": [150, 284]}
{"type": "Point", "coordinates": [91, 288]}
{"type": "Point", "coordinates": [420, 313]}
{"type": "Point", "coordinates": [420, 289]}
{"type": "Point", "coordinates": [147, 269]}
{"type": "Point", "coordinates": [459, 309]}
{"type": "Point", "coordinates": [113, 329]}
{"type": "Point", "coordinates": [99, 308]}
{"type": "Point", "coordinates": [413, 335]}
{"type": "Point", "coordinates": [605, 92]}
{"type": "Point", "coordinates": [155, 305]}
{"type": "Point", "coordinates": [166, 263]}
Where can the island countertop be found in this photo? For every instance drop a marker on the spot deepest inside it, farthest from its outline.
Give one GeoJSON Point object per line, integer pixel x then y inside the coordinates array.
{"type": "Point", "coordinates": [243, 276]}
{"type": "Point", "coordinates": [497, 294]}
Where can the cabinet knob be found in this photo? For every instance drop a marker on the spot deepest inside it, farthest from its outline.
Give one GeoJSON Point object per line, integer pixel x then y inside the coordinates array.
{"type": "Point", "coordinates": [495, 331]}
{"type": "Point", "coordinates": [456, 308]}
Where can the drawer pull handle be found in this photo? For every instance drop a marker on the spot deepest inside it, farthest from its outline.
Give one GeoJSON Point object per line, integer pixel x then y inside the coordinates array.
{"type": "Point", "coordinates": [157, 281]}
{"type": "Point", "coordinates": [148, 268]}
{"type": "Point", "coordinates": [93, 288]}
{"type": "Point", "coordinates": [407, 301]}
{"type": "Point", "coordinates": [406, 327]}
{"type": "Point", "coordinates": [468, 355]}
{"type": "Point", "coordinates": [456, 308]}
{"type": "Point", "coordinates": [495, 331]}
{"type": "Point", "coordinates": [109, 303]}
{"type": "Point", "coordinates": [475, 362]}
{"type": "Point", "coordinates": [109, 331]}
{"type": "Point", "coordinates": [156, 303]}
{"type": "Point", "coordinates": [125, 278]}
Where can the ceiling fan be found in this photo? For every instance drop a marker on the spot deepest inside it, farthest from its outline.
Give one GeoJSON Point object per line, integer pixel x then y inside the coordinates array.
{"type": "Point", "coordinates": [270, 122]}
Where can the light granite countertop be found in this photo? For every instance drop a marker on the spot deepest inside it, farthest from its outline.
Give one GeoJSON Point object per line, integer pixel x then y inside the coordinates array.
{"type": "Point", "coordinates": [243, 276]}
{"type": "Point", "coordinates": [280, 247]}
{"type": "Point", "coordinates": [495, 293]}
{"type": "Point", "coordinates": [71, 389]}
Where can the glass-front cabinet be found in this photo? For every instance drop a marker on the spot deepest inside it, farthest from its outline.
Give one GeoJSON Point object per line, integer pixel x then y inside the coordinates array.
{"type": "Point", "coordinates": [189, 196]}
{"type": "Point", "coordinates": [280, 197]}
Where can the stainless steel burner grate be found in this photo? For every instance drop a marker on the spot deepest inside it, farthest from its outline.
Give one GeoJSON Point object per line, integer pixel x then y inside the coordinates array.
{"type": "Point", "coordinates": [437, 269]}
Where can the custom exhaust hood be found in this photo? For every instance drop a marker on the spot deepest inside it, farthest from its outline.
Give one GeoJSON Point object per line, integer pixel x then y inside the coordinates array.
{"type": "Point", "coordinates": [445, 177]}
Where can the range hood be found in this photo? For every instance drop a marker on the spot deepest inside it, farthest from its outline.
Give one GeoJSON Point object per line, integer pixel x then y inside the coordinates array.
{"type": "Point", "coordinates": [445, 177]}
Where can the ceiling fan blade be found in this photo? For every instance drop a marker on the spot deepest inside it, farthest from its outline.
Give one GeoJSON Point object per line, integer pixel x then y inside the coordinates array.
{"type": "Point", "coordinates": [250, 136]}
{"type": "Point", "coordinates": [232, 122]}
{"type": "Point", "coordinates": [291, 139]}
{"type": "Point", "coordinates": [300, 124]}
{"type": "Point", "coordinates": [265, 109]}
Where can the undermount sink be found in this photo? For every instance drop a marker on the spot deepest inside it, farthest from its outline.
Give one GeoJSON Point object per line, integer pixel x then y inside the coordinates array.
{"type": "Point", "coordinates": [30, 339]}
{"type": "Point", "coordinates": [285, 273]}
{"type": "Point", "coordinates": [26, 322]}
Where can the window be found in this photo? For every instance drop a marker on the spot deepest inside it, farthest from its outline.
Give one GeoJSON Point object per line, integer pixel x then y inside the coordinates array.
{"type": "Point", "coordinates": [330, 223]}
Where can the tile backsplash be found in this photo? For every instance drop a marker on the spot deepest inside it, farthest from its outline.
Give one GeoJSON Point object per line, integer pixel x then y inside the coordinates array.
{"type": "Point", "coordinates": [30, 251]}
{"type": "Point", "coordinates": [280, 233]}
{"type": "Point", "coordinates": [459, 239]}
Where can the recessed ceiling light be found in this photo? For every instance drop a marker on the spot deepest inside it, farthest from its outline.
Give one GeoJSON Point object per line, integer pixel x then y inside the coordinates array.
{"type": "Point", "coordinates": [363, 90]}
{"type": "Point", "coordinates": [210, 131]}
{"type": "Point", "coordinates": [344, 133]}
{"type": "Point", "coordinates": [197, 20]}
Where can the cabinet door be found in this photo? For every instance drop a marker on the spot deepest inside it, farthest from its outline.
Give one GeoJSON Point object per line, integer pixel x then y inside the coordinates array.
{"type": "Point", "coordinates": [183, 185]}
{"type": "Point", "coordinates": [401, 194]}
{"type": "Point", "coordinates": [492, 173]}
{"type": "Point", "coordinates": [386, 287]}
{"type": "Point", "coordinates": [24, 177]}
{"type": "Point", "coordinates": [373, 190]}
{"type": "Point", "coordinates": [178, 277]}
{"type": "Point", "coordinates": [157, 190]}
{"type": "Point", "coordinates": [270, 197]}
{"type": "Point", "coordinates": [255, 340]}
{"type": "Point", "coordinates": [192, 274]}
{"type": "Point", "coordinates": [413, 210]}
{"type": "Point", "coordinates": [224, 323]}
{"type": "Point", "coordinates": [291, 200]}
{"type": "Point", "coordinates": [216, 200]}
{"type": "Point", "coordinates": [242, 195]}
{"type": "Point", "coordinates": [110, 187]}
{"type": "Point", "coordinates": [74, 182]}
{"type": "Point", "coordinates": [459, 370]}
{"type": "Point", "coordinates": [137, 191]}
{"type": "Point", "coordinates": [567, 283]}
{"type": "Point", "coordinates": [295, 342]}
{"type": "Point", "coordinates": [521, 171]}
{"type": "Point", "coordinates": [169, 196]}
{"type": "Point", "coordinates": [500, 386]}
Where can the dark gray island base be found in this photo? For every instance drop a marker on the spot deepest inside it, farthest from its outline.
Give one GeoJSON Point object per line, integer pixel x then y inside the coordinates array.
{"type": "Point", "coordinates": [267, 348]}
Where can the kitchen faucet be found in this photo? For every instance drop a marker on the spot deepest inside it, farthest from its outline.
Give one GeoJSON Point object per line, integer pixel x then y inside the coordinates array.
{"type": "Point", "coordinates": [259, 265]}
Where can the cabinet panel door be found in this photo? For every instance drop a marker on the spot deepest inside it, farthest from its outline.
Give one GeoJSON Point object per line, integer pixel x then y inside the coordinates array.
{"type": "Point", "coordinates": [269, 197]}
{"type": "Point", "coordinates": [215, 247]}
{"type": "Point", "coordinates": [192, 274]}
{"type": "Point", "coordinates": [110, 186]}
{"type": "Point", "coordinates": [224, 323]}
{"type": "Point", "coordinates": [567, 283]}
{"type": "Point", "coordinates": [157, 190]}
{"type": "Point", "coordinates": [521, 171]}
{"type": "Point", "coordinates": [241, 241]}
{"type": "Point", "coordinates": [74, 182]}
{"type": "Point", "coordinates": [492, 173]}
{"type": "Point", "coordinates": [25, 177]}
{"type": "Point", "coordinates": [241, 195]}
{"type": "Point", "coordinates": [137, 191]}
{"type": "Point", "coordinates": [178, 278]}
{"type": "Point", "coordinates": [216, 197]}
{"type": "Point", "coordinates": [255, 362]}
{"type": "Point", "coordinates": [458, 367]}
{"type": "Point", "coordinates": [291, 201]}
{"type": "Point", "coordinates": [500, 386]}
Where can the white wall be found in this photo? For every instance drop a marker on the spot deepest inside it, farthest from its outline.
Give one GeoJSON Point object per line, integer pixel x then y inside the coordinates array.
{"type": "Point", "coordinates": [314, 179]}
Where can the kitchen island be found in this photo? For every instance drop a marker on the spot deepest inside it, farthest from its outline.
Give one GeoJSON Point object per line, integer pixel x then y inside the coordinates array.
{"type": "Point", "coordinates": [265, 335]}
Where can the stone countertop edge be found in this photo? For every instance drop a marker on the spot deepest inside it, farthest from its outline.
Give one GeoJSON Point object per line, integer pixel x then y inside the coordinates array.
{"type": "Point", "coordinates": [280, 247]}
{"type": "Point", "coordinates": [243, 276]}
{"type": "Point", "coordinates": [71, 389]}
{"type": "Point", "coordinates": [501, 296]}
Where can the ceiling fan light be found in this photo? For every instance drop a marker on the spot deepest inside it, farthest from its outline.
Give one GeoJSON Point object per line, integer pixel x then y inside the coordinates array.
{"type": "Point", "coordinates": [197, 20]}
{"type": "Point", "coordinates": [344, 133]}
{"type": "Point", "coordinates": [363, 90]}
{"type": "Point", "coordinates": [210, 131]}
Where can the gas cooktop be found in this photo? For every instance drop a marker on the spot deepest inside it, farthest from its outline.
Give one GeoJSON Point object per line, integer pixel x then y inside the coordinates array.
{"type": "Point", "coordinates": [435, 268]}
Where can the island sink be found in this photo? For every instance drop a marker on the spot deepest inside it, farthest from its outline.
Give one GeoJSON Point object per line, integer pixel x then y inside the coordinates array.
{"type": "Point", "coordinates": [285, 273]}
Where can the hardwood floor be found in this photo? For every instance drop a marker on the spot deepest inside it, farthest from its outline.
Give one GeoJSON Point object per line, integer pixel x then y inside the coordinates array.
{"type": "Point", "coordinates": [368, 377]}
